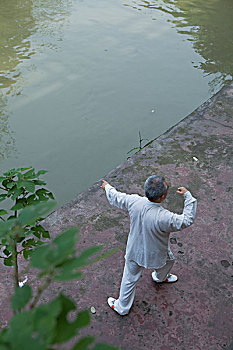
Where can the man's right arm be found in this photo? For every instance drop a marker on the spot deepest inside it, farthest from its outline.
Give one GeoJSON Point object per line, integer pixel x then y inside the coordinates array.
{"type": "Point", "coordinates": [116, 198]}
{"type": "Point", "coordinates": [170, 222]}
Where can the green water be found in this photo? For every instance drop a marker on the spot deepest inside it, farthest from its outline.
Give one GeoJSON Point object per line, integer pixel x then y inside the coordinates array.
{"type": "Point", "coordinates": [80, 79]}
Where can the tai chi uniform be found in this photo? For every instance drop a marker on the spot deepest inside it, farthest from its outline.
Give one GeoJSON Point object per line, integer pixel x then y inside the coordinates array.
{"type": "Point", "coordinates": [148, 240]}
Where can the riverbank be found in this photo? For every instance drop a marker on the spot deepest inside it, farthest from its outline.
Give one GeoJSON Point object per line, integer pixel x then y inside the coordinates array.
{"type": "Point", "coordinates": [196, 312]}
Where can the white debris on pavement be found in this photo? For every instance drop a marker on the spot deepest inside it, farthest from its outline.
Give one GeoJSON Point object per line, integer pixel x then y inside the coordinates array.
{"type": "Point", "coordinates": [21, 284]}
{"type": "Point", "coordinates": [93, 310]}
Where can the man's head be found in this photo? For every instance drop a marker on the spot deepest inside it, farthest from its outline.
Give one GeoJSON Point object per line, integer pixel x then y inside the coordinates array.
{"type": "Point", "coordinates": [156, 188]}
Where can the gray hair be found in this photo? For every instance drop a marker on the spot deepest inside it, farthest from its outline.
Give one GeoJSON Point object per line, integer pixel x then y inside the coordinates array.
{"type": "Point", "coordinates": [155, 187]}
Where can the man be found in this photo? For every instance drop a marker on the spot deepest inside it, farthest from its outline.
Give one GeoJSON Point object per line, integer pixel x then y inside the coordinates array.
{"type": "Point", "coordinates": [148, 240]}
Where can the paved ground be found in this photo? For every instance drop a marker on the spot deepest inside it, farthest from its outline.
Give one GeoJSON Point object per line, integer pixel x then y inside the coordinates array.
{"type": "Point", "coordinates": [196, 312]}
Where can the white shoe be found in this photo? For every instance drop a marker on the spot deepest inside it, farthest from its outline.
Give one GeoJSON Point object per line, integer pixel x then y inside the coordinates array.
{"type": "Point", "coordinates": [111, 302]}
{"type": "Point", "coordinates": [169, 279]}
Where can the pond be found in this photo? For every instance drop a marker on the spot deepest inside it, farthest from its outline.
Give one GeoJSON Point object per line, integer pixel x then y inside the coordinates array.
{"type": "Point", "coordinates": [79, 79]}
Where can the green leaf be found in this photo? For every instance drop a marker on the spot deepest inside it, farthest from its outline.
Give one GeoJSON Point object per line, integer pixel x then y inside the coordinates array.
{"type": "Point", "coordinates": [3, 197]}
{"type": "Point", "coordinates": [29, 174]}
{"type": "Point", "coordinates": [68, 276]}
{"type": "Point", "coordinates": [42, 194]}
{"type": "Point", "coordinates": [12, 190]}
{"type": "Point", "coordinates": [9, 261]}
{"type": "Point", "coordinates": [67, 239]}
{"type": "Point", "coordinates": [65, 329]}
{"type": "Point", "coordinates": [17, 206]}
{"type": "Point", "coordinates": [103, 346]}
{"type": "Point", "coordinates": [20, 239]}
{"type": "Point", "coordinates": [83, 319]}
{"type": "Point", "coordinates": [21, 332]}
{"type": "Point", "coordinates": [3, 212]}
{"type": "Point", "coordinates": [11, 217]}
{"type": "Point", "coordinates": [36, 234]}
{"type": "Point", "coordinates": [39, 257]}
{"type": "Point", "coordinates": [83, 344]}
{"type": "Point", "coordinates": [55, 253]}
{"type": "Point", "coordinates": [10, 248]}
{"type": "Point", "coordinates": [45, 234]}
{"type": "Point", "coordinates": [24, 169]}
{"type": "Point", "coordinates": [68, 269]}
{"type": "Point", "coordinates": [39, 230]}
{"type": "Point", "coordinates": [10, 184]}
{"type": "Point", "coordinates": [5, 182]}
{"type": "Point", "coordinates": [39, 182]}
{"type": "Point", "coordinates": [3, 335]}
{"type": "Point", "coordinates": [10, 173]}
{"type": "Point", "coordinates": [31, 199]}
{"type": "Point", "coordinates": [50, 195]}
{"type": "Point", "coordinates": [28, 243]}
{"type": "Point", "coordinates": [17, 193]}
{"type": "Point", "coordinates": [82, 259]}
{"type": "Point", "coordinates": [6, 252]}
{"type": "Point", "coordinates": [21, 297]}
{"type": "Point", "coordinates": [40, 172]}
{"type": "Point", "coordinates": [28, 185]}
{"type": "Point", "coordinates": [45, 319]}
{"type": "Point", "coordinates": [31, 213]}
{"type": "Point", "coordinates": [2, 178]}
{"type": "Point", "coordinates": [27, 253]}
{"type": "Point", "coordinates": [6, 226]}
{"type": "Point", "coordinates": [105, 255]}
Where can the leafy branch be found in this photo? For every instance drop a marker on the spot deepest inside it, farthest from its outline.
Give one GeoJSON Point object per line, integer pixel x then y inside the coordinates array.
{"type": "Point", "coordinates": [140, 144]}
{"type": "Point", "coordinates": [46, 326]}
{"type": "Point", "coordinates": [24, 188]}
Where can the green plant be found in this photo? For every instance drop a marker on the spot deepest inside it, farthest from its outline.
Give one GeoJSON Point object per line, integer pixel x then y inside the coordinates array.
{"type": "Point", "coordinates": [23, 187]}
{"type": "Point", "coordinates": [45, 326]}
{"type": "Point", "coordinates": [140, 144]}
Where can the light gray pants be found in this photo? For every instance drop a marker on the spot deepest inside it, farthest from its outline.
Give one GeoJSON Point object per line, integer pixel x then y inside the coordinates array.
{"type": "Point", "coordinates": [131, 274]}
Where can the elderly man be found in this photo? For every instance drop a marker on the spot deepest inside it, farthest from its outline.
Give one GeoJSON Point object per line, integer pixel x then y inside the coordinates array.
{"type": "Point", "coordinates": [148, 240]}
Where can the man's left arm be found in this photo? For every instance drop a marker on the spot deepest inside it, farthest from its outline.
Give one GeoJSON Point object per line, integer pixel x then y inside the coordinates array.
{"type": "Point", "coordinates": [170, 222]}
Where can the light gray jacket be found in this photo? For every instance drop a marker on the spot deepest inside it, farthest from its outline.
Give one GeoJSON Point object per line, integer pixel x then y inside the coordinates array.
{"type": "Point", "coordinates": [150, 226]}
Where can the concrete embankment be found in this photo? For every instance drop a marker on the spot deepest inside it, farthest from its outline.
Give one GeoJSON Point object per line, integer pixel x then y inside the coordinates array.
{"type": "Point", "coordinates": [196, 312]}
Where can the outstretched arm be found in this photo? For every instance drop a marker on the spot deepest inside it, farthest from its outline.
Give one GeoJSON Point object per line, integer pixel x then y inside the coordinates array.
{"type": "Point", "coordinates": [119, 199]}
{"type": "Point", "coordinates": [104, 183]}
{"type": "Point", "coordinates": [170, 222]}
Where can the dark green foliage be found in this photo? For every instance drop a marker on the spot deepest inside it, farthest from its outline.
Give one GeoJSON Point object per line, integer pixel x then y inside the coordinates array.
{"type": "Point", "coordinates": [47, 325]}
{"type": "Point", "coordinates": [84, 343]}
{"type": "Point", "coordinates": [21, 297]}
{"type": "Point", "coordinates": [23, 187]}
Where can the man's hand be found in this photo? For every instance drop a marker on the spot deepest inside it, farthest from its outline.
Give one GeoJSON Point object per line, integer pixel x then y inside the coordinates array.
{"type": "Point", "coordinates": [181, 190]}
{"type": "Point", "coordinates": [104, 184]}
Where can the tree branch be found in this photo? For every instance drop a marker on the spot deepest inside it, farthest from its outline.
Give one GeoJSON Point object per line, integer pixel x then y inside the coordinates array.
{"type": "Point", "coordinates": [41, 289]}
{"type": "Point", "coordinates": [16, 270]}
